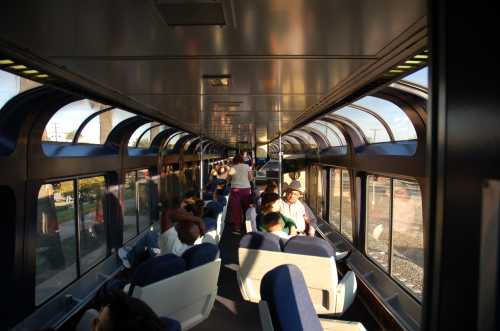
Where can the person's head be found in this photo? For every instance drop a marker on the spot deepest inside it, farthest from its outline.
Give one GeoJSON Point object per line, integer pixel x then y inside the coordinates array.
{"type": "Point", "coordinates": [221, 170]}
{"type": "Point", "coordinates": [237, 159]}
{"type": "Point", "coordinates": [293, 192]}
{"type": "Point", "coordinates": [121, 312]}
{"type": "Point", "coordinates": [172, 202]}
{"type": "Point", "coordinates": [269, 202]}
{"type": "Point", "coordinates": [272, 222]}
{"type": "Point", "coordinates": [194, 205]}
{"type": "Point", "coordinates": [190, 194]}
{"type": "Point", "coordinates": [188, 232]}
{"type": "Point", "coordinates": [271, 186]}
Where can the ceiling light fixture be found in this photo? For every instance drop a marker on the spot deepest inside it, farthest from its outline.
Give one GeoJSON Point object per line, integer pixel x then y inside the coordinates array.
{"type": "Point", "coordinates": [218, 80]}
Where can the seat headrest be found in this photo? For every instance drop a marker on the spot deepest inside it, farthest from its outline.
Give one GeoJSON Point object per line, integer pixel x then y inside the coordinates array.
{"type": "Point", "coordinates": [156, 269]}
{"type": "Point", "coordinates": [170, 324]}
{"type": "Point", "coordinates": [309, 246]}
{"type": "Point", "coordinates": [290, 305]}
{"type": "Point", "coordinates": [199, 255]}
{"type": "Point", "coordinates": [261, 240]}
{"type": "Point", "coordinates": [214, 206]}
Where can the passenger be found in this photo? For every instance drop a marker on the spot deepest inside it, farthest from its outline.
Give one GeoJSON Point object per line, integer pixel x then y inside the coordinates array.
{"type": "Point", "coordinates": [271, 202]}
{"type": "Point", "coordinates": [273, 223]}
{"type": "Point", "coordinates": [292, 207]}
{"type": "Point", "coordinates": [121, 312]}
{"type": "Point", "coordinates": [180, 238]}
{"type": "Point", "coordinates": [240, 192]}
{"type": "Point", "coordinates": [149, 245]}
{"type": "Point", "coordinates": [247, 159]}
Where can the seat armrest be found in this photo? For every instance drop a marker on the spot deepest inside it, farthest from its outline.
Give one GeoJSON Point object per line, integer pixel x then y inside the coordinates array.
{"type": "Point", "coordinates": [339, 256]}
{"type": "Point", "coordinates": [265, 316]}
{"type": "Point", "coordinates": [345, 292]}
{"type": "Point", "coordinates": [336, 325]}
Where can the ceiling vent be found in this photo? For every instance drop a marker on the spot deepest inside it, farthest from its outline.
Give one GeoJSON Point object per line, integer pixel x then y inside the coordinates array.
{"type": "Point", "coordinates": [196, 12]}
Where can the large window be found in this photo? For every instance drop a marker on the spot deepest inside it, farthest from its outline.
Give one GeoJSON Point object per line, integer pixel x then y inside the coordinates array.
{"type": "Point", "coordinates": [394, 237]}
{"type": "Point", "coordinates": [137, 203]}
{"type": "Point", "coordinates": [340, 201]}
{"type": "Point", "coordinates": [59, 234]}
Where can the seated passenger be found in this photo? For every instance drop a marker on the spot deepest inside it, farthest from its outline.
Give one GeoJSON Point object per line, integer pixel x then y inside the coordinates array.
{"type": "Point", "coordinates": [124, 313]}
{"type": "Point", "coordinates": [180, 238]}
{"type": "Point", "coordinates": [292, 207]}
{"type": "Point", "coordinates": [271, 202]}
{"type": "Point", "coordinates": [273, 223]}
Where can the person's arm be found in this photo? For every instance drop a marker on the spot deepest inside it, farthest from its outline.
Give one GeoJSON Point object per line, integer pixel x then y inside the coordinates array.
{"type": "Point", "coordinates": [181, 215]}
{"type": "Point", "coordinates": [310, 219]}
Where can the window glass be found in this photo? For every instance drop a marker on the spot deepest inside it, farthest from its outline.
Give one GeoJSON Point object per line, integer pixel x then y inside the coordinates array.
{"type": "Point", "coordinates": [321, 203]}
{"type": "Point", "coordinates": [400, 124]}
{"type": "Point", "coordinates": [139, 131]}
{"type": "Point", "coordinates": [56, 239]}
{"type": "Point", "coordinates": [144, 203]}
{"type": "Point", "coordinates": [328, 134]}
{"type": "Point", "coordinates": [188, 143]}
{"type": "Point", "coordinates": [97, 130]}
{"type": "Point", "coordinates": [378, 210]}
{"type": "Point", "coordinates": [63, 125]}
{"type": "Point", "coordinates": [345, 212]}
{"type": "Point", "coordinates": [12, 85]}
{"type": "Point", "coordinates": [335, 175]}
{"type": "Point", "coordinates": [419, 77]}
{"type": "Point", "coordinates": [174, 139]}
{"type": "Point", "coordinates": [407, 236]}
{"type": "Point", "coordinates": [334, 130]}
{"type": "Point", "coordinates": [91, 221]}
{"type": "Point", "coordinates": [151, 134]}
{"type": "Point", "coordinates": [372, 128]}
{"type": "Point", "coordinates": [129, 207]}
{"type": "Point", "coordinates": [306, 138]}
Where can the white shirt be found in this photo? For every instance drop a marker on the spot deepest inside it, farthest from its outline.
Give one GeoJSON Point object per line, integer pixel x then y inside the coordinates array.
{"type": "Point", "coordinates": [239, 176]}
{"type": "Point", "coordinates": [281, 234]}
{"type": "Point", "coordinates": [170, 244]}
{"type": "Point", "coordinates": [296, 212]}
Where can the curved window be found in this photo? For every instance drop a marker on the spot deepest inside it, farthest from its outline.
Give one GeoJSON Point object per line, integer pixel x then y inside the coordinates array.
{"type": "Point", "coordinates": [398, 121]}
{"type": "Point", "coordinates": [148, 136]}
{"type": "Point", "coordinates": [419, 77]}
{"type": "Point", "coordinates": [306, 138]}
{"type": "Point", "coordinates": [97, 130]}
{"type": "Point", "coordinates": [372, 128]}
{"type": "Point", "coordinates": [63, 125]}
{"type": "Point", "coordinates": [134, 138]}
{"type": "Point", "coordinates": [174, 139]}
{"type": "Point", "coordinates": [339, 135]}
{"type": "Point", "coordinates": [188, 143]}
{"type": "Point", "coordinates": [11, 85]}
{"type": "Point", "coordinates": [328, 134]}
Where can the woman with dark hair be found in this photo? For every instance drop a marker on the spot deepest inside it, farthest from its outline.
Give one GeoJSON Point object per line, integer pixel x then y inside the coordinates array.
{"type": "Point", "coordinates": [239, 199]}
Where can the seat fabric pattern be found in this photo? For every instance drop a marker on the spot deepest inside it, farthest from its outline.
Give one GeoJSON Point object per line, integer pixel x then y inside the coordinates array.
{"type": "Point", "coordinates": [261, 240]}
{"type": "Point", "coordinates": [199, 255]}
{"type": "Point", "coordinates": [156, 269]}
{"type": "Point", "coordinates": [309, 246]}
{"type": "Point", "coordinates": [290, 305]}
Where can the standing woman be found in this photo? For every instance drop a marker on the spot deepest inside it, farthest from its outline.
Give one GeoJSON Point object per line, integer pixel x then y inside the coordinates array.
{"type": "Point", "coordinates": [239, 199]}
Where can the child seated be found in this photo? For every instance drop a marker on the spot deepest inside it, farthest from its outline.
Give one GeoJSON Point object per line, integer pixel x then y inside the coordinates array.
{"type": "Point", "coordinates": [273, 223]}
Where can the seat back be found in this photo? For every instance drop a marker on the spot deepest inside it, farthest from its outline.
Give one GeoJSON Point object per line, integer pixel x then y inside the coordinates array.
{"type": "Point", "coordinates": [187, 297]}
{"type": "Point", "coordinates": [262, 241]}
{"type": "Point", "coordinates": [199, 255]}
{"type": "Point", "coordinates": [285, 291]}
{"type": "Point", "coordinates": [313, 246]}
{"type": "Point", "coordinates": [156, 269]}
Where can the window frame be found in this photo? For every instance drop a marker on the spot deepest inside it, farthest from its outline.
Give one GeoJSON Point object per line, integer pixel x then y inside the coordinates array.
{"type": "Point", "coordinates": [138, 230]}
{"type": "Point", "coordinates": [76, 215]}
{"type": "Point", "coordinates": [388, 272]}
{"type": "Point", "coordinates": [329, 205]}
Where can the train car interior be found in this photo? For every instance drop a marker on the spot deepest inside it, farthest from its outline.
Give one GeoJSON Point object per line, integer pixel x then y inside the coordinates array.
{"type": "Point", "coordinates": [249, 165]}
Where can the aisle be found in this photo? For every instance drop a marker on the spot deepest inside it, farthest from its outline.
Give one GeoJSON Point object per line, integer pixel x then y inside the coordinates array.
{"type": "Point", "coordinates": [230, 311]}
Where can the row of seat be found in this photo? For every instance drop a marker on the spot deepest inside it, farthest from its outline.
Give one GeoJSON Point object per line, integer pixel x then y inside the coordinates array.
{"type": "Point", "coordinates": [260, 252]}
{"type": "Point", "coordinates": [286, 304]}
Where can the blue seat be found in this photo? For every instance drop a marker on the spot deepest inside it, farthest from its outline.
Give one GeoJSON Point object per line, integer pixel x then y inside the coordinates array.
{"type": "Point", "coordinates": [170, 324]}
{"type": "Point", "coordinates": [199, 255]}
{"type": "Point", "coordinates": [285, 291]}
{"type": "Point", "coordinates": [156, 269]}
{"type": "Point", "coordinates": [309, 246]}
{"type": "Point", "coordinates": [261, 240]}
